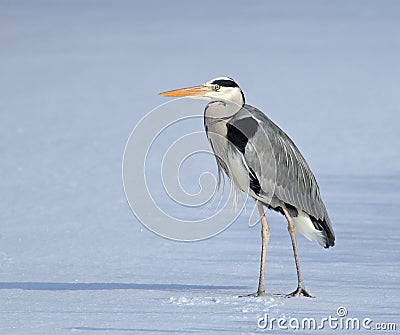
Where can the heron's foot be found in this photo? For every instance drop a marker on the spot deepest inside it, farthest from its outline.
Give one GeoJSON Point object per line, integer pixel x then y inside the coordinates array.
{"type": "Point", "coordinates": [300, 291]}
{"type": "Point", "coordinates": [257, 294]}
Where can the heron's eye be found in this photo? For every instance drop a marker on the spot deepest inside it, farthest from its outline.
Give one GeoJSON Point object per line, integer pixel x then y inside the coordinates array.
{"type": "Point", "coordinates": [217, 87]}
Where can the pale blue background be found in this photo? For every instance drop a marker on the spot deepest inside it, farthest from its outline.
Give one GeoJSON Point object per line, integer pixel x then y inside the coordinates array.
{"type": "Point", "coordinates": [76, 76]}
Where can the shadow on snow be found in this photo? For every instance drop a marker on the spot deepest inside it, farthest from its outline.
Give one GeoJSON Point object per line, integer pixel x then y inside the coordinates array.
{"type": "Point", "coordinates": [43, 286]}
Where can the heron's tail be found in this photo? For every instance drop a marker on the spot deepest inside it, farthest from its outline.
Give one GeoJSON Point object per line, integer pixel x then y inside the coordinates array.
{"type": "Point", "coordinates": [325, 227]}
{"type": "Point", "coordinates": [314, 230]}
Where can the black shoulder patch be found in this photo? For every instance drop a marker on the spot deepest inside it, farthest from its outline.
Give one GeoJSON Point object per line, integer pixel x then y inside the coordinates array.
{"type": "Point", "coordinates": [225, 83]}
{"type": "Point", "coordinates": [240, 131]}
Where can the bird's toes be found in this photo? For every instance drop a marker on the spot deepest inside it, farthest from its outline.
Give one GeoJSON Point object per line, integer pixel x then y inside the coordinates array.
{"type": "Point", "coordinates": [257, 294]}
{"type": "Point", "coordinates": [300, 291]}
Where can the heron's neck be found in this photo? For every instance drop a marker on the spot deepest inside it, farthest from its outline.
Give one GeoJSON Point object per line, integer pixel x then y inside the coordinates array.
{"type": "Point", "coordinates": [221, 109]}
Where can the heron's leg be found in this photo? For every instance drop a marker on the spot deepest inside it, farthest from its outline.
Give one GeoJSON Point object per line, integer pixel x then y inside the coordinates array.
{"type": "Point", "coordinates": [265, 239]}
{"type": "Point", "coordinates": [300, 284]}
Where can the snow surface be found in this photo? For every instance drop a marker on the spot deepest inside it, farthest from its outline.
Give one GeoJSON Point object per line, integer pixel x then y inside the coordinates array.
{"type": "Point", "coordinates": [75, 78]}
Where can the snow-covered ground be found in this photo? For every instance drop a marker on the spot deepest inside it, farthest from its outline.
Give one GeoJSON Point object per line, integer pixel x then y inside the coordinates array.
{"type": "Point", "coordinates": [77, 76]}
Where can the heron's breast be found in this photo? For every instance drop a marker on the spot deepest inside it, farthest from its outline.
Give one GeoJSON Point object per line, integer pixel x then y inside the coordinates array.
{"type": "Point", "coordinates": [238, 170]}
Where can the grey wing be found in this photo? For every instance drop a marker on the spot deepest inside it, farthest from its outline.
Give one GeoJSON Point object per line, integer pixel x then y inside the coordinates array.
{"type": "Point", "coordinates": [281, 170]}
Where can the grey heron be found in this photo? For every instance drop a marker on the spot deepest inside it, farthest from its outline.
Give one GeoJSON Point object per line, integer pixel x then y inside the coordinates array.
{"type": "Point", "coordinates": [261, 160]}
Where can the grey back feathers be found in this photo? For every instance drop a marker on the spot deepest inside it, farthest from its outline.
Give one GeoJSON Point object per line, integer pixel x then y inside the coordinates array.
{"type": "Point", "coordinates": [277, 171]}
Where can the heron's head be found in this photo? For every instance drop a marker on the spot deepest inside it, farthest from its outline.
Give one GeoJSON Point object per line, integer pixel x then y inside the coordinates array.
{"type": "Point", "coordinates": [218, 89]}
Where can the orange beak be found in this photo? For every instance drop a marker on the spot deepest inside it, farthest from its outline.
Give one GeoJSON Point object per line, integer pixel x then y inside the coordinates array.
{"type": "Point", "coordinates": [194, 91]}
